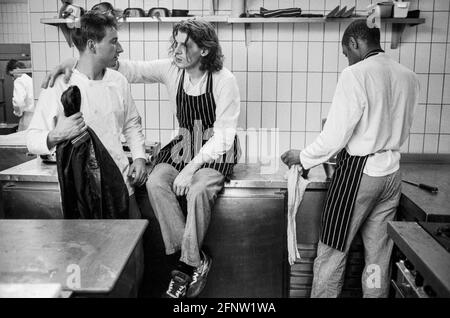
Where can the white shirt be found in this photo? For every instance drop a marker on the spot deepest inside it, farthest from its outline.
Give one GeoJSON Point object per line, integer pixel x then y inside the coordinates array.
{"type": "Point", "coordinates": [23, 100]}
{"type": "Point", "coordinates": [371, 114]}
{"type": "Point", "coordinates": [225, 92]}
{"type": "Point", "coordinates": [108, 109]}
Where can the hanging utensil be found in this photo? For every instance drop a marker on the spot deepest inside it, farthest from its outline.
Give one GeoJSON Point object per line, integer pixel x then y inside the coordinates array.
{"type": "Point", "coordinates": [423, 186]}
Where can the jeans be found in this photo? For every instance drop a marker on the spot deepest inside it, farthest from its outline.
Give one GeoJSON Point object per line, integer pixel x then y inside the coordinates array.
{"type": "Point", "coordinates": [376, 205]}
{"type": "Point", "coordinates": [180, 232]}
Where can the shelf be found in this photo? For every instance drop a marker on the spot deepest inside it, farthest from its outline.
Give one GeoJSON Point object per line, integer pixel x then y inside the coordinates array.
{"type": "Point", "coordinates": [398, 24]}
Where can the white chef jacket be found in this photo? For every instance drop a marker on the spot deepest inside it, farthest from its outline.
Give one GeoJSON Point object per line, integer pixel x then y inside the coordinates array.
{"type": "Point", "coordinates": [23, 100]}
{"type": "Point", "coordinates": [108, 109]}
{"type": "Point", "coordinates": [225, 92]}
{"type": "Point", "coordinates": [371, 114]}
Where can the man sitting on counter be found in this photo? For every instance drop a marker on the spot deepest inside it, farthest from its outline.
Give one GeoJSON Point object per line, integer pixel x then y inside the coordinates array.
{"type": "Point", "coordinates": [106, 104]}
{"type": "Point", "coordinates": [368, 121]}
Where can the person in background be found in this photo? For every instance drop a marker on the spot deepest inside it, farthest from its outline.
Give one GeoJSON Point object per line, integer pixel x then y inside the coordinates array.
{"type": "Point", "coordinates": [368, 121]}
{"type": "Point", "coordinates": [106, 104]}
{"type": "Point", "coordinates": [23, 101]}
{"type": "Point", "coordinates": [205, 98]}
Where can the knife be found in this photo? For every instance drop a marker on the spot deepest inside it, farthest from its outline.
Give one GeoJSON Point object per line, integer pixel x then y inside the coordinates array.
{"type": "Point", "coordinates": [426, 187]}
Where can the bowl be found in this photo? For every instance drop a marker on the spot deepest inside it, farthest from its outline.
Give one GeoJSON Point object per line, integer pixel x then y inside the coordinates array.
{"type": "Point", "coordinates": [329, 168]}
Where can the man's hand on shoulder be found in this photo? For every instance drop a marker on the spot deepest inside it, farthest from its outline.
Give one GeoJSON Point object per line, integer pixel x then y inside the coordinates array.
{"type": "Point", "coordinates": [66, 128]}
{"type": "Point", "coordinates": [66, 68]}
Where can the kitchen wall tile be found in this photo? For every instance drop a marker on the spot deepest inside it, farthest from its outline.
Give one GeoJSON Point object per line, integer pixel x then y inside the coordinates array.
{"type": "Point", "coordinates": [137, 51]}
{"type": "Point", "coordinates": [315, 56]}
{"type": "Point", "coordinates": [254, 86]}
{"type": "Point", "coordinates": [342, 62]}
{"type": "Point", "coordinates": [314, 88]}
{"type": "Point", "coordinates": [238, 32]}
{"type": "Point", "coordinates": [52, 54]}
{"type": "Point", "coordinates": [286, 32]}
{"type": "Point", "coordinates": [166, 135]}
{"type": "Point", "coordinates": [37, 31]}
{"type": "Point", "coordinates": [316, 32]}
{"type": "Point", "coordinates": [284, 56]}
{"type": "Point", "coordinates": [426, 5]}
{"type": "Point", "coordinates": [253, 115]}
{"type": "Point", "coordinates": [242, 120]}
{"type": "Point", "coordinates": [317, 5]}
{"type": "Point", "coordinates": [50, 6]}
{"type": "Point", "coordinates": [195, 5]}
{"type": "Point", "coordinates": [430, 143]}
{"type": "Point", "coordinates": [270, 32]}
{"type": "Point", "coordinates": [152, 135]}
{"type": "Point", "coordinates": [435, 88]}
{"type": "Point", "coordinates": [36, 5]}
{"type": "Point", "coordinates": [301, 31]}
{"type": "Point", "coordinates": [65, 51]}
{"type": "Point", "coordinates": [422, 57]}
{"type": "Point", "coordinates": [313, 118]}
{"type": "Point", "coordinates": [407, 52]}
{"type": "Point", "coordinates": [423, 83]}
{"type": "Point", "coordinates": [440, 24]}
{"type": "Point", "coordinates": [331, 51]}
{"type": "Point", "coordinates": [255, 56]}
{"type": "Point", "coordinates": [151, 50]}
{"type": "Point", "coordinates": [285, 3]}
{"type": "Point", "coordinates": [166, 117]}
{"type": "Point", "coordinates": [284, 83]}
{"type": "Point", "coordinates": [38, 56]}
{"type": "Point", "coordinates": [432, 121]}
{"type": "Point", "coordinates": [441, 5]}
{"type": "Point", "coordinates": [329, 86]}
{"type": "Point", "coordinates": [303, 4]}
{"type": "Point", "coordinates": [310, 137]}
{"type": "Point", "coordinates": [297, 140]}
{"type": "Point", "coordinates": [269, 89]}
{"type": "Point", "coordinates": [444, 144]}
{"type": "Point", "coordinates": [331, 4]}
{"type": "Point", "coordinates": [242, 135]}
{"type": "Point", "coordinates": [124, 32]}
{"type": "Point", "coordinates": [151, 91]}
{"type": "Point", "coordinates": [268, 115]}
{"type": "Point", "coordinates": [299, 87]}
{"type": "Point", "coordinates": [300, 56]}
{"type": "Point", "coordinates": [137, 32]}
{"type": "Point", "coordinates": [445, 120]}
{"type": "Point", "coordinates": [437, 57]}
{"type": "Point", "coordinates": [152, 114]}
{"type": "Point", "coordinates": [241, 78]}
{"type": "Point", "coordinates": [424, 30]}
{"type": "Point", "coordinates": [446, 97]}
{"type": "Point", "coordinates": [239, 56]}
{"type": "Point", "coordinates": [447, 61]}
{"type": "Point", "coordinates": [416, 143]}
{"type": "Point", "coordinates": [298, 121]}
{"type": "Point", "coordinates": [404, 148]}
{"type": "Point", "coordinates": [38, 77]}
{"type": "Point", "coordinates": [270, 56]}
{"type": "Point", "coordinates": [283, 116]}
{"type": "Point", "coordinates": [138, 91]}
{"type": "Point", "coordinates": [51, 33]}
{"type": "Point", "coordinates": [227, 50]}
{"type": "Point", "coordinates": [256, 31]}
{"type": "Point", "coordinates": [151, 32]}
{"type": "Point", "coordinates": [332, 32]}
{"type": "Point", "coordinates": [284, 145]}
{"type": "Point", "coordinates": [418, 124]}
{"type": "Point", "coordinates": [163, 95]}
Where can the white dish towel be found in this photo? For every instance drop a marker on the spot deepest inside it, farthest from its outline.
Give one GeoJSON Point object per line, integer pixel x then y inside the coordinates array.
{"type": "Point", "coordinates": [296, 188]}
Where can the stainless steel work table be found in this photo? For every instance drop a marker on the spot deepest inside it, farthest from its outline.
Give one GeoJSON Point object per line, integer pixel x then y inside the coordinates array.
{"type": "Point", "coordinates": [105, 254]}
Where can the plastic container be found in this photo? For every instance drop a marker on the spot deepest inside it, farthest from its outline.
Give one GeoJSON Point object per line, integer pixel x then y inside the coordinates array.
{"type": "Point", "coordinates": [401, 9]}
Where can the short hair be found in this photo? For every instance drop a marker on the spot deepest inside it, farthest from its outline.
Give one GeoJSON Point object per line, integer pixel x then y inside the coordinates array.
{"type": "Point", "coordinates": [93, 26]}
{"type": "Point", "coordinates": [205, 36]}
{"type": "Point", "coordinates": [358, 29]}
{"type": "Point", "coordinates": [13, 64]}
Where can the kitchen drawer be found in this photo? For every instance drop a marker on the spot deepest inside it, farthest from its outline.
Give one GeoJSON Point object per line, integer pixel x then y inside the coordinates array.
{"type": "Point", "coordinates": [31, 200]}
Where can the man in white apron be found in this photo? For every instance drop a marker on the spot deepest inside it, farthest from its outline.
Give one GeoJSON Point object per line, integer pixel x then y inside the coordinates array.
{"type": "Point", "coordinates": [368, 121]}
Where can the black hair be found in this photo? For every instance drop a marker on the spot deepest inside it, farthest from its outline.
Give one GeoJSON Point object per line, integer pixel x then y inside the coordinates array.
{"type": "Point", "coordinates": [13, 64]}
{"type": "Point", "coordinates": [358, 29]}
{"type": "Point", "coordinates": [205, 36]}
{"type": "Point", "coordinates": [93, 25]}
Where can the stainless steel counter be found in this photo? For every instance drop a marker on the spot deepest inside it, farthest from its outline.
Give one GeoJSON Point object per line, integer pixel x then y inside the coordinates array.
{"type": "Point", "coordinates": [244, 176]}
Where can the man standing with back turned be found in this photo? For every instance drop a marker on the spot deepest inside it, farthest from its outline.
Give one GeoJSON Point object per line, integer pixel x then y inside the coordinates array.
{"type": "Point", "coordinates": [368, 121]}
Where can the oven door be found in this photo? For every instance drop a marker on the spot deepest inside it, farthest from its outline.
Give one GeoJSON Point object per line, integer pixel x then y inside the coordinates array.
{"type": "Point", "coordinates": [404, 284]}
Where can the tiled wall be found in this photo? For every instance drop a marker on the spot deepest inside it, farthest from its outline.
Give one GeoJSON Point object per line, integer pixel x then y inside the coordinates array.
{"type": "Point", "coordinates": [14, 19]}
{"type": "Point", "coordinates": [286, 76]}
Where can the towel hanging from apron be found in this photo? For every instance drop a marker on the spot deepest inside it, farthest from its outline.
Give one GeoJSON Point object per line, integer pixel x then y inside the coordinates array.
{"type": "Point", "coordinates": [341, 197]}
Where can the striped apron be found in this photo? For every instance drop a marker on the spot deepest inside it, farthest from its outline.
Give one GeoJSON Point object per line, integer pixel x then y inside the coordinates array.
{"type": "Point", "coordinates": [341, 198]}
{"type": "Point", "coordinates": [196, 116]}
{"type": "Point", "coordinates": [341, 195]}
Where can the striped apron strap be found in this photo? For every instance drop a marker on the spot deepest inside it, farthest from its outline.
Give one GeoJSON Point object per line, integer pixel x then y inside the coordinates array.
{"type": "Point", "coordinates": [340, 200]}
